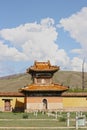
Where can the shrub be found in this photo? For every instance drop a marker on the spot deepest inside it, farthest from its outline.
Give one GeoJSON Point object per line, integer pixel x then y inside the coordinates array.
{"type": "Point", "coordinates": [25, 116]}
{"type": "Point", "coordinates": [62, 119]}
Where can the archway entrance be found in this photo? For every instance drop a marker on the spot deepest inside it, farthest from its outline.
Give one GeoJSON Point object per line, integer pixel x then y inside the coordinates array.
{"type": "Point", "coordinates": [45, 104]}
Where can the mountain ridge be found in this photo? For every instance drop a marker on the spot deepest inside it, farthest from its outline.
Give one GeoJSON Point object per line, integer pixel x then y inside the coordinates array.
{"type": "Point", "coordinates": [14, 82]}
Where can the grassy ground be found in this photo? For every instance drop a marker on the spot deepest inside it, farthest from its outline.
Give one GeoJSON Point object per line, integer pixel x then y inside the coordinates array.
{"type": "Point", "coordinates": [30, 121]}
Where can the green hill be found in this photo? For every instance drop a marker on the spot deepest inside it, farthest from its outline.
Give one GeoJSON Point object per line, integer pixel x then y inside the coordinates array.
{"type": "Point", "coordinates": [69, 78]}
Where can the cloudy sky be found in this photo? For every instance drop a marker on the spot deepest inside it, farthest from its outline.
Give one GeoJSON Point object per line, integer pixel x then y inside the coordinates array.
{"type": "Point", "coordinates": [42, 30]}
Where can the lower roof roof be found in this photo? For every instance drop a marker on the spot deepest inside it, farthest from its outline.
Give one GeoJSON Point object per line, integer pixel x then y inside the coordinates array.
{"type": "Point", "coordinates": [51, 87]}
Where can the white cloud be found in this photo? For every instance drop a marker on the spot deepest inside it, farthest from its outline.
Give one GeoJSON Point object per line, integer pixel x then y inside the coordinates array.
{"type": "Point", "coordinates": [77, 63]}
{"type": "Point", "coordinates": [47, 22]}
{"type": "Point", "coordinates": [31, 31]}
{"type": "Point", "coordinates": [76, 25]}
{"type": "Point", "coordinates": [77, 51]}
{"type": "Point", "coordinates": [10, 53]}
{"type": "Point", "coordinates": [63, 58]}
{"type": "Point", "coordinates": [33, 41]}
{"type": "Point", "coordinates": [37, 41]}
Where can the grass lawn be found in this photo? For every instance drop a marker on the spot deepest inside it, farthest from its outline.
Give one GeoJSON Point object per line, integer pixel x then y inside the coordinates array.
{"type": "Point", "coordinates": [32, 123]}
{"type": "Point", "coordinates": [29, 121]}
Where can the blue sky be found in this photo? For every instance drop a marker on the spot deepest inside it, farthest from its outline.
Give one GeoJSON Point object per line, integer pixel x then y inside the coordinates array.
{"type": "Point", "coordinates": [42, 30]}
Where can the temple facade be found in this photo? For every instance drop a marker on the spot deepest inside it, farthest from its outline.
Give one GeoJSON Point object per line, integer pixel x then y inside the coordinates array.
{"type": "Point", "coordinates": [43, 94]}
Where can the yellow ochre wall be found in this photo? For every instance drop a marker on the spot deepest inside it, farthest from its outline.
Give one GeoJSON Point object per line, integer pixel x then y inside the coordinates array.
{"type": "Point", "coordinates": [66, 101]}
{"type": "Point", "coordinates": [75, 102]}
{"type": "Point", "coordinates": [63, 103]}
{"type": "Point", "coordinates": [1, 104]}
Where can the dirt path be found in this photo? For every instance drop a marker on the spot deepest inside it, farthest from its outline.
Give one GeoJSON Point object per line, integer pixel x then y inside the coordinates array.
{"type": "Point", "coordinates": [39, 128]}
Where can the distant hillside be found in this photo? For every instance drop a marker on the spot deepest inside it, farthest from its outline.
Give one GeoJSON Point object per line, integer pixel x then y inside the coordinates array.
{"type": "Point", "coordinates": [71, 78]}
{"type": "Point", "coordinates": [13, 82]}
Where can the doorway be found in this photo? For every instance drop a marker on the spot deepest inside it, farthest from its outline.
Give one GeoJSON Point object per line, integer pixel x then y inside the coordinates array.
{"type": "Point", "coordinates": [7, 104]}
{"type": "Point", "coordinates": [45, 104]}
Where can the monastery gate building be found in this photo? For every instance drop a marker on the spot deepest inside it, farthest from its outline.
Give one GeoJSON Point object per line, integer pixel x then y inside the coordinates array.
{"type": "Point", "coordinates": [43, 94]}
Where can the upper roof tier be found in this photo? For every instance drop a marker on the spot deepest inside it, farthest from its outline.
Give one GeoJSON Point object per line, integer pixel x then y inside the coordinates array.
{"type": "Point", "coordinates": [42, 67]}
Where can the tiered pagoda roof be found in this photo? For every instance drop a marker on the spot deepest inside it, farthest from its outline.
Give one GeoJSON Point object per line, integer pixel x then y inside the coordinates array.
{"type": "Point", "coordinates": [43, 67]}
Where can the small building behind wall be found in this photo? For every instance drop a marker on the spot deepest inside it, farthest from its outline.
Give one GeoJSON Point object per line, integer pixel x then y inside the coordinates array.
{"type": "Point", "coordinates": [10, 101]}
